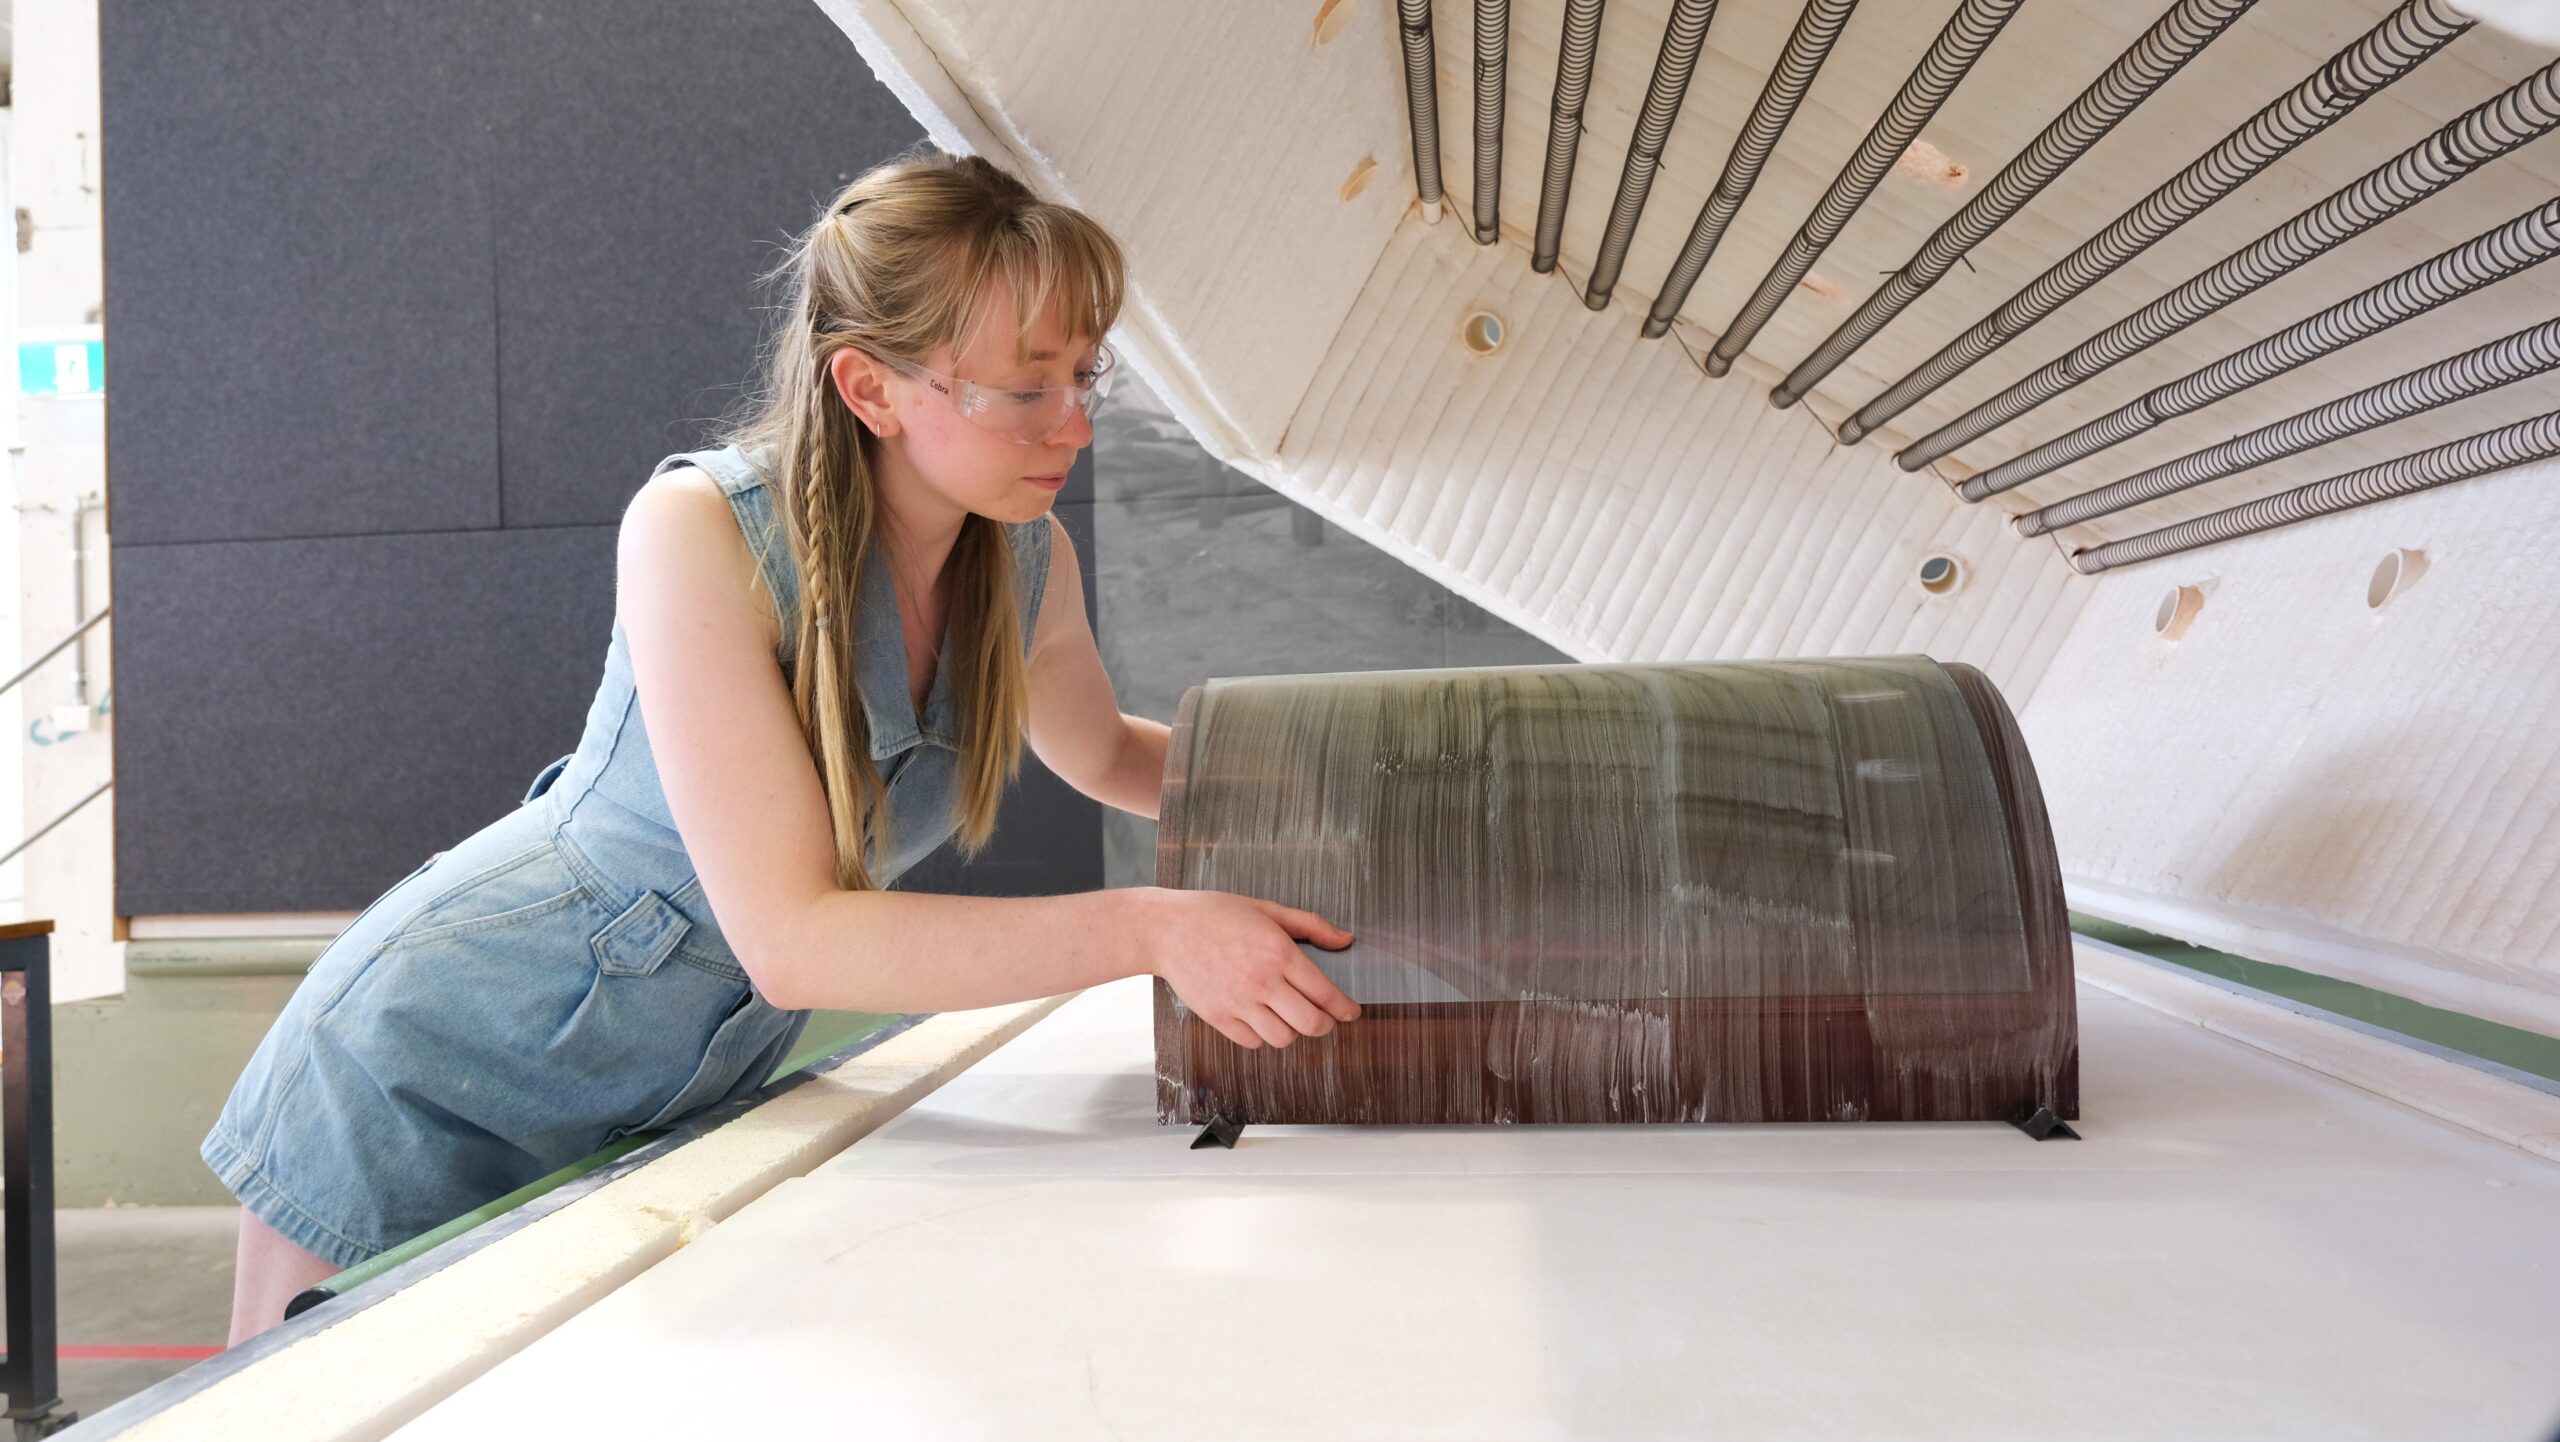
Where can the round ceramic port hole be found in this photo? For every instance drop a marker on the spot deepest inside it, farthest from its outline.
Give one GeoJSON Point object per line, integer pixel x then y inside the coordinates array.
{"type": "Point", "coordinates": [2177, 611]}
{"type": "Point", "coordinates": [2395, 573]}
{"type": "Point", "coordinates": [1361, 175]}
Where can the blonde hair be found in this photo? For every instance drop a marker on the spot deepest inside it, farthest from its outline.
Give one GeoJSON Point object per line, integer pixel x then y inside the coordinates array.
{"type": "Point", "coordinates": [897, 266]}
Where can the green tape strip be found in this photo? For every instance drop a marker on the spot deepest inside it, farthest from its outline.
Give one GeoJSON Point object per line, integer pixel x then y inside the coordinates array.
{"type": "Point", "coordinates": [363, 1272]}
{"type": "Point", "coordinates": [2526, 1051]}
{"type": "Point", "coordinates": [835, 1031]}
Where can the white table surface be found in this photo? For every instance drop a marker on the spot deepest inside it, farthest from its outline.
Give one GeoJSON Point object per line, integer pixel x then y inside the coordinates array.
{"type": "Point", "coordinates": [2240, 1248]}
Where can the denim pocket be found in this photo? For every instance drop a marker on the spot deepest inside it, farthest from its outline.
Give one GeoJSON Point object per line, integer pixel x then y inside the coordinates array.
{"type": "Point", "coordinates": [530, 884]}
{"type": "Point", "coordinates": [638, 941]}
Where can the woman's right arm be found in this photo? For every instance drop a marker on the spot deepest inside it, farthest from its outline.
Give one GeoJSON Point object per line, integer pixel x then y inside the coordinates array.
{"type": "Point", "coordinates": [746, 798]}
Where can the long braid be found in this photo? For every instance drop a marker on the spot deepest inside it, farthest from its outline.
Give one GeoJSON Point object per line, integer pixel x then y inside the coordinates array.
{"type": "Point", "coordinates": [832, 473]}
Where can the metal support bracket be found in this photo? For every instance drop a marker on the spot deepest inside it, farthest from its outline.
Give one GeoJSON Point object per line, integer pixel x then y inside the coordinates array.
{"type": "Point", "coordinates": [2044, 1126]}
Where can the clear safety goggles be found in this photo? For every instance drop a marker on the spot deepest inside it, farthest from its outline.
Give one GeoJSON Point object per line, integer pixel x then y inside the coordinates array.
{"type": "Point", "coordinates": [1026, 417]}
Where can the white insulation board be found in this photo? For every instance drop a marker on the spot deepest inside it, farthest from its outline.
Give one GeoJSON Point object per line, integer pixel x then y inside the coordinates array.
{"type": "Point", "coordinates": [2367, 796]}
{"type": "Point", "coordinates": [2240, 1247]}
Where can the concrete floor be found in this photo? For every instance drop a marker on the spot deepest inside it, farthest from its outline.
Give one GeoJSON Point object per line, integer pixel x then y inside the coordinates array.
{"type": "Point", "coordinates": [143, 1291]}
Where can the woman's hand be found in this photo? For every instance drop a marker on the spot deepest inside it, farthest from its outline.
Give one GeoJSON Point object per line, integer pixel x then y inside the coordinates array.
{"type": "Point", "coordinates": [1235, 961]}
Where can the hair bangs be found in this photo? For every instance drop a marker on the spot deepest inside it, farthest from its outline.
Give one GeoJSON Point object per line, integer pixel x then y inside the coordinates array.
{"type": "Point", "coordinates": [1057, 261]}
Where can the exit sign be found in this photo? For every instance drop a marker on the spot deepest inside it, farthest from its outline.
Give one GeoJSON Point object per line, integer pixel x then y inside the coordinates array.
{"type": "Point", "coordinates": [64, 364]}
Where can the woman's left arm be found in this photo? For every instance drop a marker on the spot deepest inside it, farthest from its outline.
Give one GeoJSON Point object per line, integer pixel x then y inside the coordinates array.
{"type": "Point", "coordinates": [1077, 727]}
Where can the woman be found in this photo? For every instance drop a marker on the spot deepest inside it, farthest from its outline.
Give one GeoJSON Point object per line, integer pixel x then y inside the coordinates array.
{"type": "Point", "coordinates": [838, 628]}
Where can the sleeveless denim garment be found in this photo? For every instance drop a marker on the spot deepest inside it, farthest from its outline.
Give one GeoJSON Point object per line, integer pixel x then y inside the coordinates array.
{"type": "Point", "coordinates": [555, 980]}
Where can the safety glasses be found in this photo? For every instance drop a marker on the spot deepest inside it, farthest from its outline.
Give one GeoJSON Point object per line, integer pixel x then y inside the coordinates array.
{"type": "Point", "coordinates": [1025, 417]}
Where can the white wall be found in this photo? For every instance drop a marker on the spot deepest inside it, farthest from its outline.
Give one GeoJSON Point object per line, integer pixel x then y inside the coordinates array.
{"type": "Point", "coordinates": [13, 875]}
{"type": "Point", "coordinates": [54, 145]}
{"type": "Point", "coordinates": [2373, 795]}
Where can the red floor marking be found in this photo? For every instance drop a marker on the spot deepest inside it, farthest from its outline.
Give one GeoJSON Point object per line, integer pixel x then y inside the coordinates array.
{"type": "Point", "coordinates": [134, 1354]}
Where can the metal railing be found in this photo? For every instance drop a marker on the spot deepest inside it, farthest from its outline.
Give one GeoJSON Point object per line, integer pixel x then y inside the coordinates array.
{"type": "Point", "coordinates": [56, 649]}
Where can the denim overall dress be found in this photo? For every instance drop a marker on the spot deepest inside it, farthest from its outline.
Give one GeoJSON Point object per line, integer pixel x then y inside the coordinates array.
{"type": "Point", "coordinates": [556, 980]}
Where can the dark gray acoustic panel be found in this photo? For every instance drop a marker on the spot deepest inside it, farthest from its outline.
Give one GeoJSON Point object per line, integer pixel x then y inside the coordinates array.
{"type": "Point", "coordinates": [651, 157]}
{"type": "Point", "coordinates": [297, 219]}
{"type": "Point", "coordinates": [304, 721]}
{"type": "Point", "coordinates": [300, 723]}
